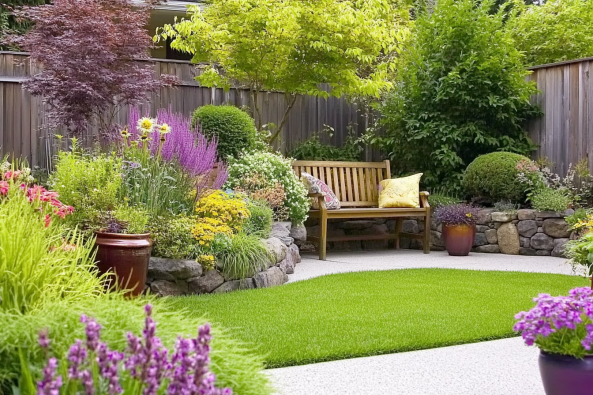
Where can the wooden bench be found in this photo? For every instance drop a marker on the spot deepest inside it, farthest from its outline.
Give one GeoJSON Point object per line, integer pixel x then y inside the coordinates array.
{"type": "Point", "coordinates": [356, 187]}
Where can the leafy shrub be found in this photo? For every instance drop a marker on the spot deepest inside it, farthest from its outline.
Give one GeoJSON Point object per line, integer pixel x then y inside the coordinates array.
{"type": "Point", "coordinates": [259, 188]}
{"type": "Point", "coordinates": [461, 93]}
{"type": "Point", "coordinates": [235, 365]}
{"type": "Point", "coordinates": [231, 210]}
{"type": "Point", "coordinates": [313, 149]}
{"type": "Point", "coordinates": [554, 31]}
{"type": "Point", "coordinates": [495, 176]}
{"type": "Point", "coordinates": [261, 219]}
{"type": "Point", "coordinates": [506, 206]}
{"type": "Point", "coordinates": [579, 218]}
{"type": "Point", "coordinates": [441, 196]}
{"type": "Point", "coordinates": [89, 183]}
{"type": "Point", "coordinates": [548, 199]}
{"type": "Point", "coordinates": [580, 251]}
{"type": "Point", "coordinates": [41, 262]}
{"type": "Point", "coordinates": [241, 255]}
{"type": "Point", "coordinates": [233, 129]}
{"type": "Point", "coordinates": [271, 169]}
{"type": "Point", "coordinates": [172, 237]}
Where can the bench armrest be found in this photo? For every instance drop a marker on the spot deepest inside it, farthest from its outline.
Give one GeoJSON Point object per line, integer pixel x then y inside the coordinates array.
{"type": "Point", "coordinates": [320, 199]}
{"type": "Point", "coordinates": [424, 200]}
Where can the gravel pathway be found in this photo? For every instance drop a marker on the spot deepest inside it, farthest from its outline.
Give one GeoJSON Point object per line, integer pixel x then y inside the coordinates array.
{"type": "Point", "coordinates": [500, 367]}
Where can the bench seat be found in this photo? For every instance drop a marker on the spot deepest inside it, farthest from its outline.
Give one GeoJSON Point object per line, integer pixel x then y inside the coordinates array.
{"type": "Point", "coordinates": [356, 185]}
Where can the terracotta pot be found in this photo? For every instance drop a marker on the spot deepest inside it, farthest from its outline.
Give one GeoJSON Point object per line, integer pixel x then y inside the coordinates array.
{"type": "Point", "coordinates": [125, 256]}
{"type": "Point", "coordinates": [565, 375]}
{"type": "Point", "coordinates": [459, 239]}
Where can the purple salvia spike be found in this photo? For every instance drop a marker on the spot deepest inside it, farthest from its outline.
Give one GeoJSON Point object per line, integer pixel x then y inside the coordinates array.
{"type": "Point", "coordinates": [50, 384]}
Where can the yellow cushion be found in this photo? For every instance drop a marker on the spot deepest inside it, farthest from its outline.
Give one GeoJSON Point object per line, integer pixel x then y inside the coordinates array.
{"type": "Point", "coordinates": [400, 192]}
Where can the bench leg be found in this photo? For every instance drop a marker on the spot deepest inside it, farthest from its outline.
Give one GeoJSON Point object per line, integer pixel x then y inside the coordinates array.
{"type": "Point", "coordinates": [322, 237]}
{"type": "Point", "coordinates": [399, 223]}
{"type": "Point", "coordinates": [426, 241]}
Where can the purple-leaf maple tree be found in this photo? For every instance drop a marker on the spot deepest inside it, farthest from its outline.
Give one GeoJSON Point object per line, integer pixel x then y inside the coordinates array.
{"type": "Point", "coordinates": [94, 56]}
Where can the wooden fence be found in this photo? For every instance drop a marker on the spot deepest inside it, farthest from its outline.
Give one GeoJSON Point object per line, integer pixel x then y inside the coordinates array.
{"type": "Point", "coordinates": [23, 134]}
{"type": "Point", "coordinates": [564, 133]}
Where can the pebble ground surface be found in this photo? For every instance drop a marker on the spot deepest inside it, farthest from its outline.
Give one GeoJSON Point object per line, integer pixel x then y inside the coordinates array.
{"type": "Point", "coordinates": [499, 367]}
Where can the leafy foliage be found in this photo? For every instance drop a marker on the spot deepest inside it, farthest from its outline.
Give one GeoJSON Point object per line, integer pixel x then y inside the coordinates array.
{"type": "Point", "coordinates": [94, 55]}
{"type": "Point", "coordinates": [10, 25]}
{"type": "Point", "coordinates": [313, 149]}
{"type": "Point", "coordinates": [241, 255]}
{"type": "Point", "coordinates": [461, 93]}
{"type": "Point", "coordinates": [293, 46]}
{"type": "Point", "coordinates": [457, 214]}
{"type": "Point", "coordinates": [172, 237]}
{"type": "Point", "coordinates": [555, 31]}
{"type": "Point", "coordinates": [271, 169]}
{"type": "Point", "coordinates": [261, 219]}
{"type": "Point", "coordinates": [495, 176]}
{"type": "Point", "coordinates": [549, 199]}
{"type": "Point", "coordinates": [233, 129]}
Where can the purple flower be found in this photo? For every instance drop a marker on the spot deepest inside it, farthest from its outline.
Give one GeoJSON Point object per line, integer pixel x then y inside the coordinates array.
{"type": "Point", "coordinates": [49, 384]}
{"type": "Point", "coordinates": [44, 339]}
{"type": "Point", "coordinates": [108, 367]}
{"type": "Point", "coordinates": [93, 332]}
{"type": "Point", "coordinates": [457, 214]}
{"type": "Point", "coordinates": [76, 358]}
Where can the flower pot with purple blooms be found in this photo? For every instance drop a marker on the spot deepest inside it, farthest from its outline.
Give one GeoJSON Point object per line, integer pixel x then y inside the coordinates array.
{"type": "Point", "coordinates": [562, 327]}
{"type": "Point", "coordinates": [459, 227]}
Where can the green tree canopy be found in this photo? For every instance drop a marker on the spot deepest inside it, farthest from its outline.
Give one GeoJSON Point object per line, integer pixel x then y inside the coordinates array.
{"type": "Point", "coordinates": [555, 31]}
{"type": "Point", "coordinates": [461, 93]}
{"type": "Point", "coordinates": [294, 46]}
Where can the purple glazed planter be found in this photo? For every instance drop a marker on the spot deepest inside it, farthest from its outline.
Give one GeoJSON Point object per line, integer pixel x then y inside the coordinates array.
{"type": "Point", "coordinates": [566, 375]}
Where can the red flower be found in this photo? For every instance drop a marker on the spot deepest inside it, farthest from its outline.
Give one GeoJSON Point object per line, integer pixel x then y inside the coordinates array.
{"type": "Point", "coordinates": [47, 220]}
{"type": "Point", "coordinates": [4, 187]}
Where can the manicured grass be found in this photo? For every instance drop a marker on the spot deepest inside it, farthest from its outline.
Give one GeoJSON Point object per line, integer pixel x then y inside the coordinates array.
{"type": "Point", "coordinates": [370, 313]}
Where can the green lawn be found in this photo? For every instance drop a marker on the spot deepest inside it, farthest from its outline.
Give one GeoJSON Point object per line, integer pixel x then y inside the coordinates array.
{"type": "Point", "coordinates": [369, 313]}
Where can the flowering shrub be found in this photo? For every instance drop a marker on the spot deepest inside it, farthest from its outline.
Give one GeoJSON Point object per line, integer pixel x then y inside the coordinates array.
{"type": "Point", "coordinates": [257, 188]}
{"type": "Point", "coordinates": [207, 228]}
{"type": "Point", "coordinates": [457, 214]}
{"type": "Point", "coordinates": [271, 169]}
{"type": "Point", "coordinates": [232, 211]}
{"type": "Point", "coordinates": [172, 237]}
{"type": "Point", "coordinates": [560, 324]}
{"type": "Point", "coordinates": [208, 262]}
{"type": "Point", "coordinates": [145, 366]}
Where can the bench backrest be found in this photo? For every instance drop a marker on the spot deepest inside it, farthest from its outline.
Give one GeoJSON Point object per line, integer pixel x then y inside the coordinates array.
{"type": "Point", "coordinates": [354, 183]}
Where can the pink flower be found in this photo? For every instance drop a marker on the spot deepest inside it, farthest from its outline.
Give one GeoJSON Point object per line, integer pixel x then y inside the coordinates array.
{"type": "Point", "coordinates": [4, 187]}
{"type": "Point", "coordinates": [12, 175]}
{"type": "Point", "coordinates": [47, 220]}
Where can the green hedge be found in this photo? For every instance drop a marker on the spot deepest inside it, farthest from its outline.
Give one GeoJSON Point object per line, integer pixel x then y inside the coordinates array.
{"type": "Point", "coordinates": [233, 128]}
{"type": "Point", "coordinates": [494, 176]}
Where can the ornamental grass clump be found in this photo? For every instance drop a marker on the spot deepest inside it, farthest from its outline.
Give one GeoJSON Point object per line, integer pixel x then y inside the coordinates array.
{"type": "Point", "coordinates": [146, 367]}
{"type": "Point", "coordinates": [560, 324]}
{"type": "Point", "coordinates": [457, 214]}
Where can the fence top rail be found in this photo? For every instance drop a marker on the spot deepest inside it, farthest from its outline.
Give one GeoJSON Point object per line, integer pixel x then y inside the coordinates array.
{"type": "Point", "coordinates": [563, 63]}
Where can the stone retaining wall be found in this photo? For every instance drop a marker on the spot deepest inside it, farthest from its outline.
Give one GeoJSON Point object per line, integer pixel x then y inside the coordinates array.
{"type": "Point", "coordinates": [174, 277]}
{"type": "Point", "coordinates": [525, 232]}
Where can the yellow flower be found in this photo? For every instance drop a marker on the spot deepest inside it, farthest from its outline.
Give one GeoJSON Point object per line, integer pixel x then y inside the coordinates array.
{"type": "Point", "coordinates": [164, 129]}
{"type": "Point", "coordinates": [125, 133]}
{"type": "Point", "coordinates": [146, 125]}
{"type": "Point", "coordinates": [468, 215]}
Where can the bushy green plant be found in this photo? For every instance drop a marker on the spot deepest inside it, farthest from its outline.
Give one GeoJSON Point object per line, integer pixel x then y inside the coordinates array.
{"type": "Point", "coordinates": [552, 32]}
{"type": "Point", "coordinates": [579, 215]}
{"type": "Point", "coordinates": [580, 252]}
{"type": "Point", "coordinates": [494, 176]}
{"type": "Point", "coordinates": [172, 237]}
{"type": "Point", "coordinates": [39, 262]}
{"type": "Point", "coordinates": [261, 219]}
{"type": "Point", "coordinates": [233, 128]}
{"type": "Point", "coordinates": [87, 182]}
{"type": "Point", "coordinates": [235, 364]}
{"type": "Point", "coordinates": [313, 149]}
{"type": "Point", "coordinates": [161, 187]}
{"type": "Point", "coordinates": [271, 169]}
{"type": "Point", "coordinates": [548, 199]}
{"type": "Point", "coordinates": [506, 206]}
{"type": "Point", "coordinates": [461, 93]}
{"type": "Point", "coordinates": [441, 196]}
{"type": "Point", "coordinates": [240, 255]}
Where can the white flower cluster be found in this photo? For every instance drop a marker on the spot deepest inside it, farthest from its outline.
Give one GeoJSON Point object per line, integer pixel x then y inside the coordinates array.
{"type": "Point", "coordinates": [273, 168]}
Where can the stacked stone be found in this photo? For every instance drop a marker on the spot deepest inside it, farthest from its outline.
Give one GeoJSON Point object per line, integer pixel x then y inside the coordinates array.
{"type": "Point", "coordinates": [174, 277]}
{"type": "Point", "coordinates": [526, 232]}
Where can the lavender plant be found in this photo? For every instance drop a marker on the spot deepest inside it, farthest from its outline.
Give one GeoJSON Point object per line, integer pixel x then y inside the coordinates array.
{"type": "Point", "coordinates": [144, 368]}
{"type": "Point", "coordinates": [560, 324]}
{"type": "Point", "coordinates": [457, 214]}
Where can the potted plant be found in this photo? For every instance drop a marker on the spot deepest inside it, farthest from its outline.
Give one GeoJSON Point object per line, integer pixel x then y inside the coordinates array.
{"type": "Point", "coordinates": [123, 248]}
{"type": "Point", "coordinates": [459, 227]}
{"type": "Point", "coordinates": [562, 327]}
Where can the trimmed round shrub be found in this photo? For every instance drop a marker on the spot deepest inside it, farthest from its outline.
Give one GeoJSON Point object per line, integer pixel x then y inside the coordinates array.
{"type": "Point", "coordinates": [494, 176]}
{"type": "Point", "coordinates": [233, 128]}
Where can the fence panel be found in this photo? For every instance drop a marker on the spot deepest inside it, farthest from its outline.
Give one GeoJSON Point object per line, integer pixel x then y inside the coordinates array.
{"type": "Point", "coordinates": [23, 132]}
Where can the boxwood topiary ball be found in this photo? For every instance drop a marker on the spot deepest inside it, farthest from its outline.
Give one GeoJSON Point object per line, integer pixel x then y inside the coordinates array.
{"type": "Point", "coordinates": [494, 176]}
{"type": "Point", "coordinates": [234, 129]}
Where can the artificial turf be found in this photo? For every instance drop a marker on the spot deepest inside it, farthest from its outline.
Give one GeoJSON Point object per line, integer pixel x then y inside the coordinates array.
{"type": "Point", "coordinates": [369, 313]}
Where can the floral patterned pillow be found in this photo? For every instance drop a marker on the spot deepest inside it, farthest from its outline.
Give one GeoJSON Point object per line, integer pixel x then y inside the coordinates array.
{"type": "Point", "coordinates": [315, 185]}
